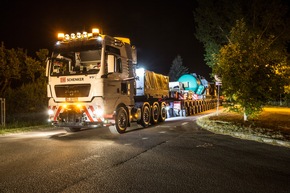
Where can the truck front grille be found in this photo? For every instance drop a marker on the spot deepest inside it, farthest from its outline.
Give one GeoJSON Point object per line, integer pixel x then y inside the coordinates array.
{"type": "Point", "coordinates": [72, 90]}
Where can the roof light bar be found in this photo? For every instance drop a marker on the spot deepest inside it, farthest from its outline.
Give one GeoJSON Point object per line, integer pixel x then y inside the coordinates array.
{"type": "Point", "coordinates": [78, 36]}
{"type": "Point", "coordinates": [96, 31]}
{"type": "Point", "coordinates": [60, 36]}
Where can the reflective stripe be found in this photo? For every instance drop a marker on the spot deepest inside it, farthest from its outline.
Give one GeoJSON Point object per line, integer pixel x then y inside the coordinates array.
{"type": "Point", "coordinates": [57, 112]}
{"type": "Point", "coordinates": [92, 109]}
{"type": "Point", "coordinates": [89, 116]}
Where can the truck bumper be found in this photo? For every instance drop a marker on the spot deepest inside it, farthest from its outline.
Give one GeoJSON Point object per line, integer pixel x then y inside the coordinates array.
{"type": "Point", "coordinates": [78, 124]}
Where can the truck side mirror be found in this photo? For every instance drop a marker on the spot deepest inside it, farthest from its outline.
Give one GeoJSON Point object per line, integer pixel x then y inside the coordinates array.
{"type": "Point", "coordinates": [47, 67]}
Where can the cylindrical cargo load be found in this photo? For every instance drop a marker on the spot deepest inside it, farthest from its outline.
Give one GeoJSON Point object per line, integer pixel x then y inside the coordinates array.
{"type": "Point", "coordinates": [190, 82]}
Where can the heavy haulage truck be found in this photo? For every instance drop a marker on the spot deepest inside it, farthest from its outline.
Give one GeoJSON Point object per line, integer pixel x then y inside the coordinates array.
{"type": "Point", "coordinates": [93, 80]}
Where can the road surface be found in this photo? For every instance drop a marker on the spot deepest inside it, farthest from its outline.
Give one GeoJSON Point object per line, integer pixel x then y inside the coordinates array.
{"type": "Point", "coordinates": [175, 156]}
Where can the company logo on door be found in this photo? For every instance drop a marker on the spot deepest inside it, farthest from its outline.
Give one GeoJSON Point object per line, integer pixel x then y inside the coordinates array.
{"type": "Point", "coordinates": [62, 79]}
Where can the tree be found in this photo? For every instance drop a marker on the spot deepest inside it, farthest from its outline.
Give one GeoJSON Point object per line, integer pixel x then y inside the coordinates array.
{"type": "Point", "coordinates": [177, 69]}
{"type": "Point", "coordinates": [17, 68]}
{"type": "Point", "coordinates": [214, 20]}
{"type": "Point", "coordinates": [248, 66]}
{"type": "Point", "coordinates": [9, 68]}
{"type": "Point", "coordinates": [245, 44]}
{"type": "Point", "coordinates": [42, 55]}
{"type": "Point", "coordinates": [23, 82]}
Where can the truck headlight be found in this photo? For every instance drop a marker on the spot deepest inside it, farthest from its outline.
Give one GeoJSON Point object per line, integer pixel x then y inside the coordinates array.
{"type": "Point", "coordinates": [50, 112]}
{"type": "Point", "coordinates": [99, 112]}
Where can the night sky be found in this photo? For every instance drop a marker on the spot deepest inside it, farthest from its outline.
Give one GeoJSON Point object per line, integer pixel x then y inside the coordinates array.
{"type": "Point", "coordinates": [160, 31]}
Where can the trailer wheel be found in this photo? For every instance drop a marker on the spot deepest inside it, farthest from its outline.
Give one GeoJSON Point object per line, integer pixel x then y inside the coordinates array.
{"type": "Point", "coordinates": [145, 116]}
{"type": "Point", "coordinates": [121, 121]}
{"type": "Point", "coordinates": [163, 112]}
{"type": "Point", "coordinates": [155, 113]}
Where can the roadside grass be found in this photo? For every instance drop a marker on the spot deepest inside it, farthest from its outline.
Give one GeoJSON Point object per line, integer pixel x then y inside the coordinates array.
{"type": "Point", "coordinates": [19, 128]}
{"type": "Point", "coordinates": [272, 123]}
{"type": "Point", "coordinates": [23, 122]}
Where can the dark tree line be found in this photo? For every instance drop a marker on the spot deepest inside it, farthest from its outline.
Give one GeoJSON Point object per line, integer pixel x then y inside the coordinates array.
{"type": "Point", "coordinates": [246, 45]}
{"type": "Point", "coordinates": [22, 81]}
{"type": "Point", "coordinates": [177, 69]}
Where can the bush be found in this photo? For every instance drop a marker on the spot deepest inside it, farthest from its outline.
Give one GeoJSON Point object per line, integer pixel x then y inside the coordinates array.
{"type": "Point", "coordinates": [26, 104]}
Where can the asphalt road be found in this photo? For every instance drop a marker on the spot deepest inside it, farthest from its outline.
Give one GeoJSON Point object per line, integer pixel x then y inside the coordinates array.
{"type": "Point", "coordinates": [175, 156]}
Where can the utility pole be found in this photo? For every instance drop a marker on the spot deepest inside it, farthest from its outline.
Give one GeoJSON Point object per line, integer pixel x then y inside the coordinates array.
{"type": "Point", "coordinates": [218, 97]}
{"type": "Point", "coordinates": [2, 111]}
{"type": "Point", "coordinates": [218, 83]}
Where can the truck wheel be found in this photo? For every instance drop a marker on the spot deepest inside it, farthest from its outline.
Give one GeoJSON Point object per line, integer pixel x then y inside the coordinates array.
{"type": "Point", "coordinates": [72, 129]}
{"type": "Point", "coordinates": [145, 116]}
{"type": "Point", "coordinates": [163, 112]}
{"type": "Point", "coordinates": [155, 111]}
{"type": "Point", "coordinates": [121, 121]}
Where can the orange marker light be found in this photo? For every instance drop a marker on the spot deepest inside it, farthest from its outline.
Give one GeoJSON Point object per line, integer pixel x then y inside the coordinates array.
{"type": "Point", "coordinates": [60, 36]}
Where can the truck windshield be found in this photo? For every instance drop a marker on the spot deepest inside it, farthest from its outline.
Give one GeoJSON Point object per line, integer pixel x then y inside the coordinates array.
{"type": "Point", "coordinates": [74, 63]}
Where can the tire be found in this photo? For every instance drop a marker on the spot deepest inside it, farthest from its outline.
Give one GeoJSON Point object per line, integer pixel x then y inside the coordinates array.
{"type": "Point", "coordinates": [155, 112]}
{"type": "Point", "coordinates": [163, 112]}
{"type": "Point", "coordinates": [145, 116]}
{"type": "Point", "coordinates": [186, 111]}
{"type": "Point", "coordinates": [189, 110]}
{"type": "Point", "coordinates": [72, 129]}
{"type": "Point", "coordinates": [121, 121]}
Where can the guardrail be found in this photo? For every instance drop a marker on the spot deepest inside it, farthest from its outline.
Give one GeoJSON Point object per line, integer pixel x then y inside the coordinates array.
{"type": "Point", "coordinates": [2, 112]}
